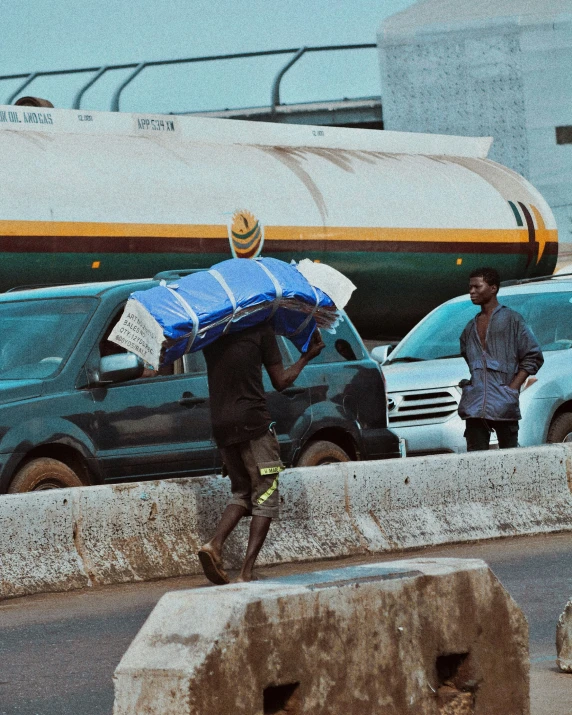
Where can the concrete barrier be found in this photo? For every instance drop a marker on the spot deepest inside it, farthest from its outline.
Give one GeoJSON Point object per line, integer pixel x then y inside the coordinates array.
{"type": "Point", "coordinates": [408, 637]}
{"type": "Point", "coordinates": [564, 639]}
{"type": "Point", "coordinates": [435, 500]}
{"type": "Point", "coordinates": [70, 538]}
{"type": "Point", "coordinates": [38, 551]}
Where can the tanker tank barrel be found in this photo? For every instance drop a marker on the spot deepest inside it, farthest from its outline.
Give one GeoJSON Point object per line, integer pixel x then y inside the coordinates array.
{"type": "Point", "coordinates": [404, 216]}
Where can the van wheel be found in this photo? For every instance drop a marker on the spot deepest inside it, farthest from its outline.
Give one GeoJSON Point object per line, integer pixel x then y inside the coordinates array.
{"type": "Point", "coordinates": [43, 473]}
{"type": "Point", "coordinates": [321, 452]}
{"type": "Point", "coordinates": [561, 428]}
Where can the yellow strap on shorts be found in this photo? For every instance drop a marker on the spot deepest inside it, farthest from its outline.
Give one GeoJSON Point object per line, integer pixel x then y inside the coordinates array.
{"type": "Point", "coordinates": [269, 492]}
{"type": "Point", "coordinates": [265, 471]}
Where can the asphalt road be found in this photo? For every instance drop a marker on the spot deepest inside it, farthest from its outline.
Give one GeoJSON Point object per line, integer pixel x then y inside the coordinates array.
{"type": "Point", "coordinates": [58, 651]}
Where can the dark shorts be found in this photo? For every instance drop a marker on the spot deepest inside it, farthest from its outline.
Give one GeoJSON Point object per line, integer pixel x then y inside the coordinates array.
{"type": "Point", "coordinates": [478, 433]}
{"type": "Point", "coordinates": [254, 468]}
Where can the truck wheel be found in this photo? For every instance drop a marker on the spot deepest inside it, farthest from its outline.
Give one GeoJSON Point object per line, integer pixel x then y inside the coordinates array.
{"type": "Point", "coordinates": [561, 428]}
{"type": "Point", "coordinates": [43, 473]}
{"type": "Point", "coordinates": [321, 452]}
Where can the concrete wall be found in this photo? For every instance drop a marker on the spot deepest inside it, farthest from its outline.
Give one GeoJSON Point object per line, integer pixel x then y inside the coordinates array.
{"type": "Point", "coordinates": [464, 82]}
{"type": "Point", "coordinates": [506, 77]}
{"type": "Point", "coordinates": [72, 538]}
{"type": "Point", "coordinates": [411, 637]}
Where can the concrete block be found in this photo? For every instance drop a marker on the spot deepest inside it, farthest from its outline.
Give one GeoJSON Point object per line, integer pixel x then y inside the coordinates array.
{"type": "Point", "coordinates": [38, 551]}
{"type": "Point", "coordinates": [564, 639]}
{"type": "Point", "coordinates": [412, 637]}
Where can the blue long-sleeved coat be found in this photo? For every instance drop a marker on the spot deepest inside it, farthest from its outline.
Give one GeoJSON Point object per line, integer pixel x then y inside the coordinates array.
{"type": "Point", "coordinates": [510, 347]}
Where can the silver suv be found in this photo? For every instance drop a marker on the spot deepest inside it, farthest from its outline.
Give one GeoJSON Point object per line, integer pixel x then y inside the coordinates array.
{"type": "Point", "coordinates": [424, 370]}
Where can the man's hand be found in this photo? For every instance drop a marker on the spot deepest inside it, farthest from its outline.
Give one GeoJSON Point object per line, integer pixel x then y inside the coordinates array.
{"type": "Point", "coordinates": [316, 345]}
{"type": "Point", "coordinates": [518, 380]}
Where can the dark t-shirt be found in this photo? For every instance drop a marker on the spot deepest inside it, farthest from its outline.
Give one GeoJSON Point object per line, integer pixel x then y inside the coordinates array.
{"type": "Point", "coordinates": [234, 368]}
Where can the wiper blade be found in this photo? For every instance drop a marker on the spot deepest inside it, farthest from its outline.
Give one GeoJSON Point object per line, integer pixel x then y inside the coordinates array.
{"type": "Point", "coordinates": [444, 357]}
{"type": "Point", "coordinates": [407, 358]}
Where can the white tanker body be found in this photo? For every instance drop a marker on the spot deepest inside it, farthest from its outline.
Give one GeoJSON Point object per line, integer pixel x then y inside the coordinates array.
{"type": "Point", "coordinates": [99, 196]}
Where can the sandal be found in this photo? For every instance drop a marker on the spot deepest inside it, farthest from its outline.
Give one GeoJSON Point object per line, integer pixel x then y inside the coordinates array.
{"type": "Point", "coordinates": [212, 567]}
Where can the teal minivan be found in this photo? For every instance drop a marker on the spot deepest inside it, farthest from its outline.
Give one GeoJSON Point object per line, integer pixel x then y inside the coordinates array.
{"type": "Point", "coordinates": [75, 409]}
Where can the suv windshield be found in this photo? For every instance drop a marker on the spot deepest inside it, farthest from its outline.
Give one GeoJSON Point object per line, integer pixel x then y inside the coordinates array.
{"type": "Point", "coordinates": [39, 335]}
{"type": "Point", "coordinates": [549, 315]}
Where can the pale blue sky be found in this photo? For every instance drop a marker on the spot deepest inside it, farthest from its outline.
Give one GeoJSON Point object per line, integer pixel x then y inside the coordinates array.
{"type": "Point", "coordinates": [39, 35]}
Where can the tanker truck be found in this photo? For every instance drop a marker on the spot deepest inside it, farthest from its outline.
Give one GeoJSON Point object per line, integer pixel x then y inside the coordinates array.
{"type": "Point", "coordinates": [101, 196]}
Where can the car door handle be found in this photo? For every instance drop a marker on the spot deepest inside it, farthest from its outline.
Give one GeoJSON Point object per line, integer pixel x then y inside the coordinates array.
{"type": "Point", "coordinates": [290, 391]}
{"type": "Point", "coordinates": [188, 400]}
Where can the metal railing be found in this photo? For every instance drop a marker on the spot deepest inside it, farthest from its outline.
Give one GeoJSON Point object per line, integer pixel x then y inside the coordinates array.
{"type": "Point", "coordinates": [138, 67]}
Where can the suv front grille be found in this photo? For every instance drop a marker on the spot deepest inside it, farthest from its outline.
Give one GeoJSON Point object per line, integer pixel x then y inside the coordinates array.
{"type": "Point", "coordinates": [422, 407]}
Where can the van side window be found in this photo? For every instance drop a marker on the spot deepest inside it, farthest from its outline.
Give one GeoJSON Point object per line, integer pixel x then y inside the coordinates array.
{"type": "Point", "coordinates": [194, 363]}
{"type": "Point", "coordinates": [106, 347]}
{"type": "Point", "coordinates": [288, 352]}
{"type": "Point", "coordinates": [340, 347]}
{"type": "Point", "coordinates": [285, 351]}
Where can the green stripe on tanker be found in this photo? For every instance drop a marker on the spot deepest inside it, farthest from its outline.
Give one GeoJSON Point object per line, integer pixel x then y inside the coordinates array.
{"type": "Point", "coordinates": [392, 288]}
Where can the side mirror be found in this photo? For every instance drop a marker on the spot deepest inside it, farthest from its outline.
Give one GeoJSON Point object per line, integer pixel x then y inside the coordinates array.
{"type": "Point", "coordinates": [117, 368]}
{"type": "Point", "coordinates": [381, 353]}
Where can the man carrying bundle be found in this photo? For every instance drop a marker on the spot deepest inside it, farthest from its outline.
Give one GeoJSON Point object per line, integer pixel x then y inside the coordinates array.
{"type": "Point", "coordinates": [245, 435]}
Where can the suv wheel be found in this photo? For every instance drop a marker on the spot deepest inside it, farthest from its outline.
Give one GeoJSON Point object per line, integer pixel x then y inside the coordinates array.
{"type": "Point", "coordinates": [321, 452]}
{"type": "Point", "coordinates": [561, 428]}
{"type": "Point", "coordinates": [43, 473]}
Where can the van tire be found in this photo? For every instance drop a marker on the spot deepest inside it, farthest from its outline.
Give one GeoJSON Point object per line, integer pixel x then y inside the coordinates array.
{"type": "Point", "coordinates": [561, 428]}
{"type": "Point", "coordinates": [41, 474]}
{"type": "Point", "coordinates": [321, 452]}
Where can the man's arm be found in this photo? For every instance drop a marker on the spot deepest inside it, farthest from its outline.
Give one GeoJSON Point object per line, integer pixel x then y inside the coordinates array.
{"type": "Point", "coordinates": [530, 357]}
{"type": "Point", "coordinates": [463, 345]}
{"type": "Point", "coordinates": [282, 378]}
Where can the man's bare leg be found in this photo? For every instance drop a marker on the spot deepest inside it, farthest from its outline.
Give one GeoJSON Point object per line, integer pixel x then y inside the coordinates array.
{"type": "Point", "coordinates": [210, 554]}
{"type": "Point", "coordinates": [258, 530]}
{"type": "Point", "coordinates": [228, 523]}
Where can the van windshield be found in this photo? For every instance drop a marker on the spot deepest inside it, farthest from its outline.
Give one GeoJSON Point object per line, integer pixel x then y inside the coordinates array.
{"type": "Point", "coordinates": [549, 315]}
{"type": "Point", "coordinates": [37, 336]}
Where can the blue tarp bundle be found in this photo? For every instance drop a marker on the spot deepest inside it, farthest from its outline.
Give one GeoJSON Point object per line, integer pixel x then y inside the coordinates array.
{"type": "Point", "coordinates": [233, 295]}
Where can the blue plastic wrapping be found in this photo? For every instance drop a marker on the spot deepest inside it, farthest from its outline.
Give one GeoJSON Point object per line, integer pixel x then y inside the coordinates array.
{"type": "Point", "coordinates": [233, 295]}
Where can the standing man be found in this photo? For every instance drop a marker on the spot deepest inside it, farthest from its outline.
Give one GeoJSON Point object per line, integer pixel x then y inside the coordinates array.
{"type": "Point", "coordinates": [245, 435]}
{"type": "Point", "coordinates": [501, 352]}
